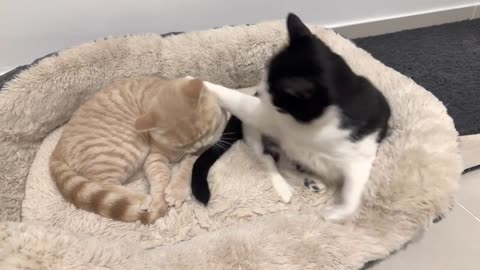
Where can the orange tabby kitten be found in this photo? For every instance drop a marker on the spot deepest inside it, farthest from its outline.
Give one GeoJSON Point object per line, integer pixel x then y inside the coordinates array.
{"type": "Point", "coordinates": [143, 122]}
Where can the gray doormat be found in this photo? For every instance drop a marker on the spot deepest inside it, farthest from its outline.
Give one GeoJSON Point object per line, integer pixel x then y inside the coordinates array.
{"type": "Point", "coordinates": [444, 59]}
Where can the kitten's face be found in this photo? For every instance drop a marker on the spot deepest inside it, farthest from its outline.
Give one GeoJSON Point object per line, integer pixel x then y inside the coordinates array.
{"type": "Point", "coordinates": [208, 122]}
{"type": "Point", "coordinates": [297, 77]}
{"type": "Point", "coordinates": [186, 117]}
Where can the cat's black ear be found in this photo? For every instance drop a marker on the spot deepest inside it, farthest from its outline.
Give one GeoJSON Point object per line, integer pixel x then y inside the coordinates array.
{"type": "Point", "coordinates": [296, 28]}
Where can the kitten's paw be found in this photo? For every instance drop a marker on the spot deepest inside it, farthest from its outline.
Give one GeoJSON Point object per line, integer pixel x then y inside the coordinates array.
{"type": "Point", "coordinates": [145, 204]}
{"type": "Point", "coordinates": [158, 208]}
{"type": "Point", "coordinates": [284, 190]}
{"type": "Point", "coordinates": [175, 196]}
{"type": "Point", "coordinates": [314, 186]}
{"type": "Point", "coordinates": [336, 213]}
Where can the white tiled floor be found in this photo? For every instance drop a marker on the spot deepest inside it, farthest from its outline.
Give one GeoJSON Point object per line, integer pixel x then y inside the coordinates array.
{"type": "Point", "coordinates": [470, 150]}
{"type": "Point", "coordinates": [452, 244]}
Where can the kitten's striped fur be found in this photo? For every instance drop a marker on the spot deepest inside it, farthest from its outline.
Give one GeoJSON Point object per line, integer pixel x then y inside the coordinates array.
{"type": "Point", "coordinates": [137, 123]}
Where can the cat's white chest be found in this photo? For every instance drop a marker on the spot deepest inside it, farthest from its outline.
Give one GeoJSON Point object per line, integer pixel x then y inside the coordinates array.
{"type": "Point", "coordinates": [321, 146]}
{"type": "Point", "coordinates": [327, 149]}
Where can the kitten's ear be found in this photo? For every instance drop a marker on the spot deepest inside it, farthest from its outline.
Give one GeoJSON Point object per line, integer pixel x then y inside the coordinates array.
{"type": "Point", "coordinates": [145, 122]}
{"type": "Point", "coordinates": [296, 28]}
{"type": "Point", "coordinates": [193, 90]}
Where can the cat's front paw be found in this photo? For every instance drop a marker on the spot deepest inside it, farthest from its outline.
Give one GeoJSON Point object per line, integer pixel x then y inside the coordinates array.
{"type": "Point", "coordinates": [175, 196]}
{"type": "Point", "coordinates": [284, 190]}
{"type": "Point", "coordinates": [157, 209]}
{"type": "Point", "coordinates": [314, 186]}
{"type": "Point", "coordinates": [286, 196]}
{"type": "Point", "coordinates": [145, 204]}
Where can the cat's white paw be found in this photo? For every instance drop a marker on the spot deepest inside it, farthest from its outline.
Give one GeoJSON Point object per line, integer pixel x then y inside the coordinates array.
{"type": "Point", "coordinates": [175, 196]}
{"type": "Point", "coordinates": [337, 213]}
{"type": "Point", "coordinates": [286, 196]}
{"type": "Point", "coordinates": [284, 190]}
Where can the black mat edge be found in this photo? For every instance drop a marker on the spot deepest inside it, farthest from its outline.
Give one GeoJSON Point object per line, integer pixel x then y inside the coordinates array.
{"type": "Point", "coordinates": [471, 169]}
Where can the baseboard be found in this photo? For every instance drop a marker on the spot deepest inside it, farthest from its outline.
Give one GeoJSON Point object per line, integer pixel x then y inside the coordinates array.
{"type": "Point", "coordinates": [470, 150]}
{"type": "Point", "coordinates": [407, 21]}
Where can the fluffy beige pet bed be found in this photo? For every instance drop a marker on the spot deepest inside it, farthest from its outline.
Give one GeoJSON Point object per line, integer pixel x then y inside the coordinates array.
{"type": "Point", "coordinates": [246, 226]}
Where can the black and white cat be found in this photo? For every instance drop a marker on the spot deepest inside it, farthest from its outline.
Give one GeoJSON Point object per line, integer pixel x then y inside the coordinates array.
{"type": "Point", "coordinates": [321, 114]}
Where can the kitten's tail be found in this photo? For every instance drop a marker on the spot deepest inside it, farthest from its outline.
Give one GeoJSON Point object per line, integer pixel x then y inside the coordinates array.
{"type": "Point", "coordinates": [109, 200]}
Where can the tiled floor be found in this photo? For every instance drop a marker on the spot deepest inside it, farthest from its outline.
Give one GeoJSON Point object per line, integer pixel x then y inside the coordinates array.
{"type": "Point", "coordinates": [470, 149]}
{"type": "Point", "coordinates": [454, 243]}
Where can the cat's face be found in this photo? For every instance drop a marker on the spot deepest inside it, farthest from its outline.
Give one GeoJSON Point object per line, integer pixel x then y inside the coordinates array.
{"type": "Point", "coordinates": [298, 76]}
{"type": "Point", "coordinates": [185, 117]}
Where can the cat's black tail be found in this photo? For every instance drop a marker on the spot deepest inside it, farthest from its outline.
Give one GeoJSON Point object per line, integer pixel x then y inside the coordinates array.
{"type": "Point", "coordinates": [201, 167]}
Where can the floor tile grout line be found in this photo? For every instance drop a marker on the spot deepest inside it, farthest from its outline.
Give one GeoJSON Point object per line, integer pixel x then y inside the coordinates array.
{"type": "Point", "coordinates": [468, 211]}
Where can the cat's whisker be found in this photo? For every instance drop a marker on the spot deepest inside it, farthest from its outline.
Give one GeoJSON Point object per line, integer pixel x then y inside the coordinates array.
{"type": "Point", "coordinates": [220, 146]}
{"type": "Point", "coordinates": [228, 138]}
{"type": "Point", "coordinates": [226, 144]}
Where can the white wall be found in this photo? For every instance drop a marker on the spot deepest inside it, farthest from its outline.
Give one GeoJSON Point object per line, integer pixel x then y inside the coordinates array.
{"type": "Point", "coordinates": [32, 28]}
